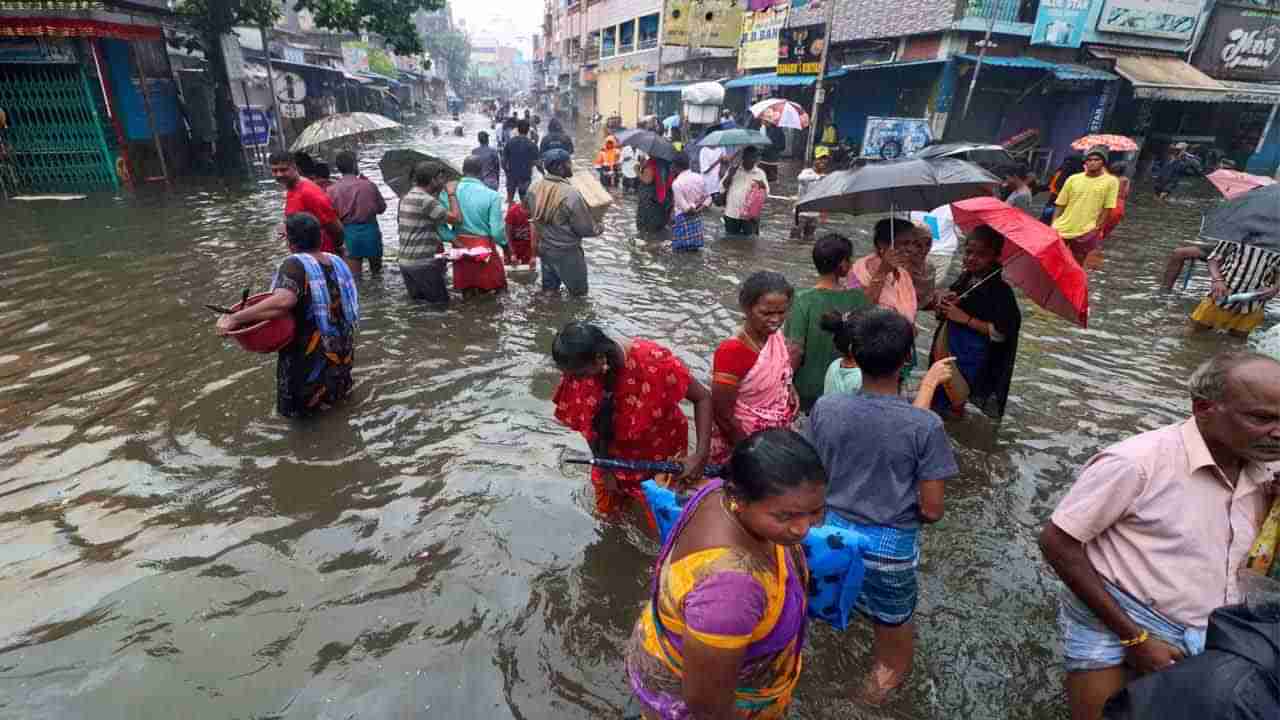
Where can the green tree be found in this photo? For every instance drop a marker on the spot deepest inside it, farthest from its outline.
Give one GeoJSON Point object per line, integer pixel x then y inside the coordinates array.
{"type": "Point", "coordinates": [454, 49]}
{"type": "Point", "coordinates": [211, 19]}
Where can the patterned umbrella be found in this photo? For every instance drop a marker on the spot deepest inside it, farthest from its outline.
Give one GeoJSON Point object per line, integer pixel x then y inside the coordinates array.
{"type": "Point", "coordinates": [781, 113]}
{"type": "Point", "coordinates": [342, 125]}
{"type": "Point", "coordinates": [1114, 143]}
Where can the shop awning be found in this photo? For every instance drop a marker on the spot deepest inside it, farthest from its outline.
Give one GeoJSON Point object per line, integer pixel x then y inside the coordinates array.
{"type": "Point", "coordinates": [888, 65]}
{"type": "Point", "coordinates": [780, 80]}
{"type": "Point", "coordinates": [676, 87]}
{"type": "Point", "coordinates": [1251, 93]}
{"type": "Point", "coordinates": [1062, 71]}
{"type": "Point", "coordinates": [1164, 77]}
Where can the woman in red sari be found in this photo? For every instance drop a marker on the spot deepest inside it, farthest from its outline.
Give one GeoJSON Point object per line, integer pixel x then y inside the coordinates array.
{"type": "Point", "coordinates": [623, 394]}
{"type": "Point", "coordinates": [751, 372]}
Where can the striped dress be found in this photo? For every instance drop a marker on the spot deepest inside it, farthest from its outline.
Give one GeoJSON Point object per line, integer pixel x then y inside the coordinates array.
{"type": "Point", "coordinates": [1245, 269]}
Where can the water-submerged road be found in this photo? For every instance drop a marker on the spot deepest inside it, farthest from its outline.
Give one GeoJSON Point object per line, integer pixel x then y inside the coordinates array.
{"type": "Point", "coordinates": [169, 547]}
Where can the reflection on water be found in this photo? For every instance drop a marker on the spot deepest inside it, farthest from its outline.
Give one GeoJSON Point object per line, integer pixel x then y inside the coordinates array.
{"type": "Point", "coordinates": [171, 548]}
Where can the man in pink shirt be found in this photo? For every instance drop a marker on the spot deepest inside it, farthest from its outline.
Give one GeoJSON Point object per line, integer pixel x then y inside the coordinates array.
{"type": "Point", "coordinates": [1150, 537]}
{"type": "Point", "coordinates": [690, 198]}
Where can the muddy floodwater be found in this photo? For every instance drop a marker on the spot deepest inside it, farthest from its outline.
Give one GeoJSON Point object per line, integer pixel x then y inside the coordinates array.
{"type": "Point", "coordinates": [171, 548]}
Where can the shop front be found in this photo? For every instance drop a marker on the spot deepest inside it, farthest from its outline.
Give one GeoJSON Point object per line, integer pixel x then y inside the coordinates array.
{"type": "Point", "coordinates": [1165, 100]}
{"type": "Point", "coordinates": [1241, 48]}
{"type": "Point", "coordinates": [1028, 104]}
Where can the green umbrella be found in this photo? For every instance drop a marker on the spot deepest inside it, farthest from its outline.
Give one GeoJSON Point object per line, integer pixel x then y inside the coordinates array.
{"type": "Point", "coordinates": [735, 138]}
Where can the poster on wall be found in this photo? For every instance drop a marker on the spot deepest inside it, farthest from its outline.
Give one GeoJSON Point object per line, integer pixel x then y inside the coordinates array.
{"type": "Point", "coordinates": [758, 42]}
{"type": "Point", "coordinates": [894, 137]}
{"type": "Point", "coordinates": [1061, 23]}
{"type": "Point", "coordinates": [714, 23]}
{"type": "Point", "coordinates": [1242, 43]}
{"type": "Point", "coordinates": [1172, 19]}
{"type": "Point", "coordinates": [800, 50]}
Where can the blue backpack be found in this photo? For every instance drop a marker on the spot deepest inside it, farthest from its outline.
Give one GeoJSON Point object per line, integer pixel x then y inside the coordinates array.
{"type": "Point", "coordinates": [834, 555]}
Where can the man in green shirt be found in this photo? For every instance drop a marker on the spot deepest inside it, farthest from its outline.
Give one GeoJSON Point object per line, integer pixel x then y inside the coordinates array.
{"type": "Point", "coordinates": [812, 348]}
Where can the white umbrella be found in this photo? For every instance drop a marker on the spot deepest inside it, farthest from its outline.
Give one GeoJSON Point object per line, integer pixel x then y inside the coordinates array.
{"type": "Point", "coordinates": [782, 113]}
{"type": "Point", "coordinates": [342, 125]}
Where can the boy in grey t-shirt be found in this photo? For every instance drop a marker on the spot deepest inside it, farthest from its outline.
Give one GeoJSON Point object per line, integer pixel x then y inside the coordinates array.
{"type": "Point", "coordinates": [886, 461]}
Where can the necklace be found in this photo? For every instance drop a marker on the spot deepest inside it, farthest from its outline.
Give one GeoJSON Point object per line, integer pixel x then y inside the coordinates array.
{"type": "Point", "coordinates": [749, 341]}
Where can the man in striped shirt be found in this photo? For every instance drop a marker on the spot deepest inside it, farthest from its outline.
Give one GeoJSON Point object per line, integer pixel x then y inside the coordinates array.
{"type": "Point", "coordinates": [420, 217]}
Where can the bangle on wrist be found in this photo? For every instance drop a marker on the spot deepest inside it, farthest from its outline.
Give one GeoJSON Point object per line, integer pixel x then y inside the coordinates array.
{"type": "Point", "coordinates": [1136, 640]}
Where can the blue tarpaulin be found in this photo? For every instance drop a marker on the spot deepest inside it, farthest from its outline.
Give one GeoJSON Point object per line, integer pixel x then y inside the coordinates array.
{"type": "Point", "coordinates": [664, 88]}
{"type": "Point", "coordinates": [1062, 71]}
{"type": "Point", "coordinates": [776, 79]}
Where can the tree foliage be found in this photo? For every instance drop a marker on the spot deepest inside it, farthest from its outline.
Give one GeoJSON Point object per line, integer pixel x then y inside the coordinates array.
{"type": "Point", "coordinates": [392, 19]}
{"type": "Point", "coordinates": [454, 49]}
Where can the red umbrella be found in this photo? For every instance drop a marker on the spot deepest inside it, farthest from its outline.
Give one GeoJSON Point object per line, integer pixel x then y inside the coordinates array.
{"type": "Point", "coordinates": [1035, 258]}
{"type": "Point", "coordinates": [1232, 183]}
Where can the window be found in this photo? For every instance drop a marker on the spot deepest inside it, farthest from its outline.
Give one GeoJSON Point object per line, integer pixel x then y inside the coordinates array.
{"type": "Point", "coordinates": [609, 42]}
{"type": "Point", "coordinates": [627, 37]}
{"type": "Point", "coordinates": [648, 31]}
{"type": "Point", "coordinates": [593, 46]}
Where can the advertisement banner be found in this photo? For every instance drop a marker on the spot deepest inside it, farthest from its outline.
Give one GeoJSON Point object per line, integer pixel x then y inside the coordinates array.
{"type": "Point", "coordinates": [758, 43]}
{"type": "Point", "coordinates": [1061, 23]}
{"type": "Point", "coordinates": [1172, 19]}
{"type": "Point", "coordinates": [702, 23]}
{"type": "Point", "coordinates": [800, 50]}
{"type": "Point", "coordinates": [890, 138]}
{"type": "Point", "coordinates": [1242, 44]}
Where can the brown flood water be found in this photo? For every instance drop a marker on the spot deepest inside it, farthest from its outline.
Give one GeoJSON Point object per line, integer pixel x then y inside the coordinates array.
{"type": "Point", "coordinates": [169, 547]}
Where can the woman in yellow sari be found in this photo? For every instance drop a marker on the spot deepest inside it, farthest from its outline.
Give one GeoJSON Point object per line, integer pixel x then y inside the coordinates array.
{"type": "Point", "coordinates": [729, 592]}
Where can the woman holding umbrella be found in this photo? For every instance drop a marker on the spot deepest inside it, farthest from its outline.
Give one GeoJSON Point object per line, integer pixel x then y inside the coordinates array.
{"type": "Point", "coordinates": [979, 321]}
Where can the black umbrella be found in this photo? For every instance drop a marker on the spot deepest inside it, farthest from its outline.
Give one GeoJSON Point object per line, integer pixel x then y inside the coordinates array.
{"type": "Point", "coordinates": [648, 142]}
{"type": "Point", "coordinates": [900, 185]}
{"type": "Point", "coordinates": [397, 168]}
{"type": "Point", "coordinates": [1252, 218]}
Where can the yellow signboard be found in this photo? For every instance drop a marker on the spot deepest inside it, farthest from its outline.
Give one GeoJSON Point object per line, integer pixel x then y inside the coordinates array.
{"type": "Point", "coordinates": [758, 41]}
{"type": "Point", "coordinates": [714, 23]}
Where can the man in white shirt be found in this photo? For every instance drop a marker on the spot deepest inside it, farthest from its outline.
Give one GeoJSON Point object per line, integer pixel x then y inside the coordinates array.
{"type": "Point", "coordinates": [630, 161]}
{"type": "Point", "coordinates": [741, 208]}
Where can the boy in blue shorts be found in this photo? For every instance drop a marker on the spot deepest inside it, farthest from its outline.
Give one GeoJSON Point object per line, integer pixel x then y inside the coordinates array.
{"type": "Point", "coordinates": [887, 461]}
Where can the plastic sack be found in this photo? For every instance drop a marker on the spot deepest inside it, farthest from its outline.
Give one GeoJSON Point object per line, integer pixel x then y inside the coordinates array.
{"type": "Point", "coordinates": [834, 556]}
{"type": "Point", "coordinates": [703, 93]}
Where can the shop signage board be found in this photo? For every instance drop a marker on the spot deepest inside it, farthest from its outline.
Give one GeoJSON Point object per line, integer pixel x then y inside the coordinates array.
{"type": "Point", "coordinates": [1243, 43]}
{"type": "Point", "coordinates": [800, 50]}
{"type": "Point", "coordinates": [255, 125]}
{"type": "Point", "coordinates": [1061, 23]}
{"type": "Point", "coordinates": [758, 43]}
{"type": "Point", "coordinates": [1171, 19]}
{"type": "Point", "coordinates": [702, 23]}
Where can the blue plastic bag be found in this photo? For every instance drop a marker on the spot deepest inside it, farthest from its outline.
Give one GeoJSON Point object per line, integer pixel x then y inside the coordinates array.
{"type": "Point", "coordinates": [834, 555]}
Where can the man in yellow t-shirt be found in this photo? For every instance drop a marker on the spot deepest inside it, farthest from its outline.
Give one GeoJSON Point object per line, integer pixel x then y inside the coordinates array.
{"type": "Point", "coordinates": [1084, 203]}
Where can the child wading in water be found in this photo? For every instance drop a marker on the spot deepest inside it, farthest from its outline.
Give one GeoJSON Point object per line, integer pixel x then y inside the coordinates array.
{"type": "Point", "coordinates": [843, 375]}
{"type": "Point", "coordinates": [520, 248]}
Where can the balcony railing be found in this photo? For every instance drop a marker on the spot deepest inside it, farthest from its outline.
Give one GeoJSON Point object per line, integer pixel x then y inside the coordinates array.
{"type": "Point", "coordinates": [648, 43]}
{"type": "Point", "coordinates": [1008, 11]}
{"type": "Point", "coordinates": [624, 48]}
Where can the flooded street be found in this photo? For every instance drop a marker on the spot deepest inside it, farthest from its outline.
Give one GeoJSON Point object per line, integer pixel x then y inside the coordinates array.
{"type": "Point", "coordinates": [170, 547]}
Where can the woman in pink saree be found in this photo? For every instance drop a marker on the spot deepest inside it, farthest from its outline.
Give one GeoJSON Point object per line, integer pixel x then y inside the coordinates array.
{"type": "Point", "coordinates": [883, 276]}
{"type": "Point", "coordinates": [751, 373]}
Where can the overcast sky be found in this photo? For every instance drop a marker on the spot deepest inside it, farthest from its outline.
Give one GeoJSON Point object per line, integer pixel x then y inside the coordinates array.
{"type": "Point", "coordinates": [512, 21]}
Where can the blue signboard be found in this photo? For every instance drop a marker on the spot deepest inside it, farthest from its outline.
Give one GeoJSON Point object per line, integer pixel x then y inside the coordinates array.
{"type": "Point", "coordinates": [1061, 23]}
{"type": "Point", "coordinates": [255, 126]}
